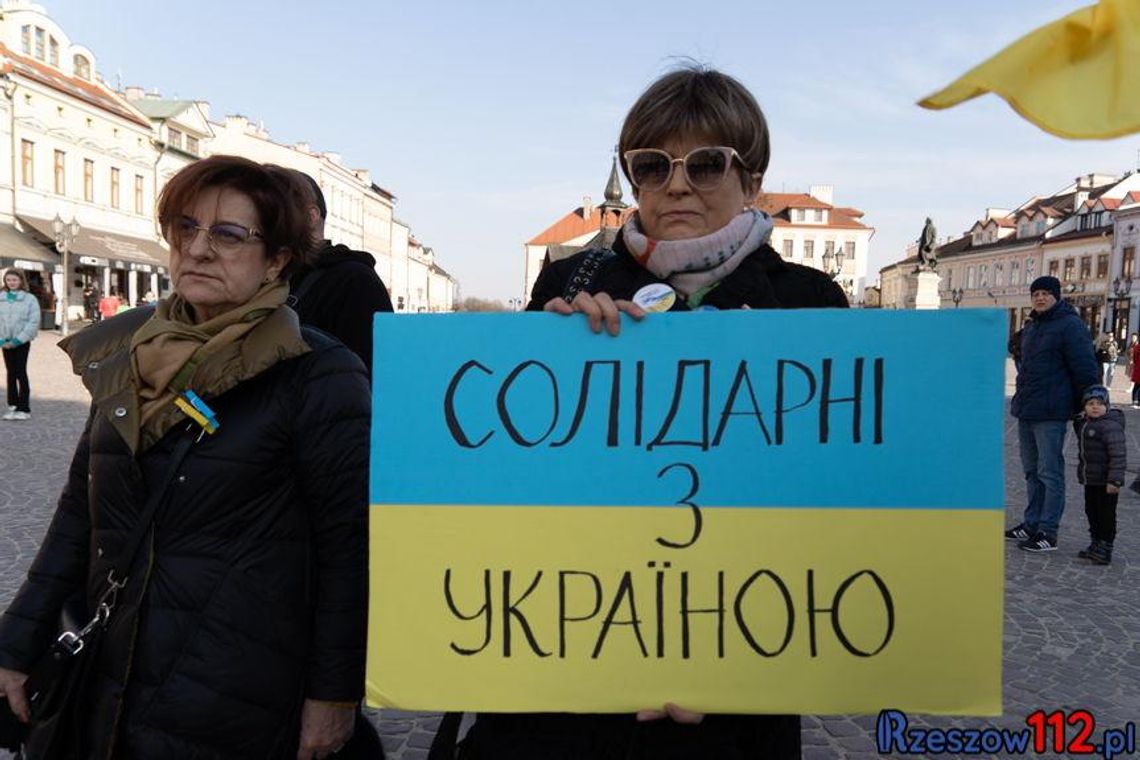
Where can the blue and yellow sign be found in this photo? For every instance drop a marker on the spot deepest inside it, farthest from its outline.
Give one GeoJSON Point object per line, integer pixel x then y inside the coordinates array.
{"type": "Point", "coordinates": [765, 511]}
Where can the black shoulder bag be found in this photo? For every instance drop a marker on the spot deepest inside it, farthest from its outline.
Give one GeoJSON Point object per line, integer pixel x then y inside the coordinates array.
{"type": "Point", "coordinates": [56, 683]}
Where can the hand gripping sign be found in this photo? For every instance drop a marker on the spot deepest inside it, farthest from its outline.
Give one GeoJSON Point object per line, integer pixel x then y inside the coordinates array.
{"type": "Point", "coordinates": [765, 511]}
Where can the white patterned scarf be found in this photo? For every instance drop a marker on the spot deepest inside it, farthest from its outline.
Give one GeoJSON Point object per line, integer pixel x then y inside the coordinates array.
{"type": "Point", "coordinates": [699, 263]}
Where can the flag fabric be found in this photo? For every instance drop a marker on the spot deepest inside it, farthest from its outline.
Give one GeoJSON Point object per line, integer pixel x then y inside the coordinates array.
{"type": "Point", "coordinates": [1078, 77]}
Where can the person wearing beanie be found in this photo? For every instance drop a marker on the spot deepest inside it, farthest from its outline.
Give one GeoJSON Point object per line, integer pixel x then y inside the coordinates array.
{"type": "Point", "coordinates": [1102, 458]}
{"type": "Point", "coordinates": [1057, 365]}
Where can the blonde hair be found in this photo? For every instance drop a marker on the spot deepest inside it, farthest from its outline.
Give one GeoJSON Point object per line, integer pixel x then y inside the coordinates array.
{"type": "Point", "coordinates": [698, 101]}
{"type": "Point", "coordinates": [18, 273]}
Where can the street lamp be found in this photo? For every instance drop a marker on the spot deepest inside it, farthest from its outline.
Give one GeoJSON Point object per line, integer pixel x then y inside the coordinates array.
{"type": "Point", "coordinates": [956, 296]}
{"type": "Point", "coordinates": [65, 234]}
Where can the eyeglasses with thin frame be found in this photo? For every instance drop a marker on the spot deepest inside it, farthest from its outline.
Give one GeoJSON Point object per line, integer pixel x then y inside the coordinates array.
{"type": "Point", "coordinates": [222, 238]}
{"type": "Point", "coordinates": [705, 168]}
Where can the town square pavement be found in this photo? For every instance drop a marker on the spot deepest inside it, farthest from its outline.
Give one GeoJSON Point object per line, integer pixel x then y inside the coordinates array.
{"type": "Point", "coordinates": [1072, 630]}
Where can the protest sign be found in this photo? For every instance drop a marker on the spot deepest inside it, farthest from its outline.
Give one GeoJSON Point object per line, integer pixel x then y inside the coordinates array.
{"type": "Point", "coordinates": [766, 511]}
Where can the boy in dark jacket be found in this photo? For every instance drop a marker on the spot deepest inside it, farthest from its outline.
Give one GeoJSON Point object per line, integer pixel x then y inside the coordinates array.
{"type": "Point", "coordinates": [1103, 457]}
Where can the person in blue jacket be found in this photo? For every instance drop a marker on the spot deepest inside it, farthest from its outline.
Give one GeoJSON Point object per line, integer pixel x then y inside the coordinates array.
{"type": "Point", "coordinates": [1057, 365]}
{"type": "Point", "coordinates": [19, 325]}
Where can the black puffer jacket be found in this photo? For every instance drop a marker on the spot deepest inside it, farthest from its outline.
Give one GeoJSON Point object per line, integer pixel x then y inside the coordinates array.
{"type": "Point", "coordinates": [762, 281]}
{"type": "Point", "coordinates": [253, 594]}
{"type": "Point", "coordinates": [1102, 450]}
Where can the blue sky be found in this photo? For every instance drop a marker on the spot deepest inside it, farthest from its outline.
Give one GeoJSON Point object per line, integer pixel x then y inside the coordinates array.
{"type": "Point", "coordinates": [490, 120]}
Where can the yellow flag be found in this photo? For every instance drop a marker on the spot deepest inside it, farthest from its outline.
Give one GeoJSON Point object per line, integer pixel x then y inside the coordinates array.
{"type": "Point", "coordinates": [1078, 77]}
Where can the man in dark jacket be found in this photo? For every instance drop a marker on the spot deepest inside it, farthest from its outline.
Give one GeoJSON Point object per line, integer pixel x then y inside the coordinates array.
{"type": "Point", "coordinates": [1056, 366]}
{"type": "Point", "coordinates": [342, 292]}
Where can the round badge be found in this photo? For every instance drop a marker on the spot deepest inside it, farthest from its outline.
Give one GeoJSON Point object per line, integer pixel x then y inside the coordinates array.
{"type": "Point", "coordinates": [655, 298]}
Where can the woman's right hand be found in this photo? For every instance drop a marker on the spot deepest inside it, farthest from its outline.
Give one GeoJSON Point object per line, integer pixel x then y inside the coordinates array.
{"type": "Point", "coordinates": [12, 686]}
{"type": "Point", "coordinates": [597, 308]}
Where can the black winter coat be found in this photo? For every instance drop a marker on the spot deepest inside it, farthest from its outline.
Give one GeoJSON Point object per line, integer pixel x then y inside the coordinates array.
{"type": "Point", "coordinates": [252, 595]}
{"type": "Point", "coordinates": [1102, 453]}
{"type": "Point", "coordinates": [1055, 367]}
{"type": "Point", "coordinates": [762, 281]}
{"type": "Point", "coordinates": [342, 299]}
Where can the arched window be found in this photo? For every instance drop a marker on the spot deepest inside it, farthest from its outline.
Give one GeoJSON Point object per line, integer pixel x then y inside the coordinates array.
{"type": "Point", "coordinates": [82, 67]}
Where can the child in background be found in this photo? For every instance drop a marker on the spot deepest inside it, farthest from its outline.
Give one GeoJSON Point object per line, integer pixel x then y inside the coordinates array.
{"type": "Point", "coordinates": [1100, 467]}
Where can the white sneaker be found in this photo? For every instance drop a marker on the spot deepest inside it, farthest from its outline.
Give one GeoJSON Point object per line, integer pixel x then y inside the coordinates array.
{"type": "Point", "coordinates": [10, 414]}
{"type": "Point", "coordinates": [21, 416]}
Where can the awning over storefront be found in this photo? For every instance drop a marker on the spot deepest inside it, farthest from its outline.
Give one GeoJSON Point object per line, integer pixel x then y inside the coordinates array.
{"type": "Point", "coordinates": [21, 251]}
{"type": "Point", "coordinates": [100, 248]}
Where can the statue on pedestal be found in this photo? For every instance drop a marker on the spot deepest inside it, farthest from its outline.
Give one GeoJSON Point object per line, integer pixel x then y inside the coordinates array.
{"type": "Point", "coordinates": [927, 258]}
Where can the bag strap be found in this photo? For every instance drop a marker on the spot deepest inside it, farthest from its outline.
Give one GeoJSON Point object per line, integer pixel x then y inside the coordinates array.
{"type": "Point", "coordinates": [446, 737]}
{"type": "Point", "coordinates": [306, 285]}
{"type": "Point", "coordinates": [586, 272]}
{"type": "Point", "coordinates": [130, 549]}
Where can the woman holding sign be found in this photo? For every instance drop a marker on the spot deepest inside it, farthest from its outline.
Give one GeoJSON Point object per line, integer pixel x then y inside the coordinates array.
{"type": "Point", "coordinates": [695, 148]}
{"type": "Point", "coordinates": [213, 526]}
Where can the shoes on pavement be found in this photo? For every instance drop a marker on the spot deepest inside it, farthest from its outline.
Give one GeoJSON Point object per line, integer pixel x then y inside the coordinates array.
{"type": "Point", "coordinates": [9, 415]}
{"type": "Point", "coordinates": [1017, 533]}
{"type": "Point", "coordinates": [1086, 553]}
{"type": "Point", "coordinates": [1101, 553]}
{"type": "Point", "coordinates": [19, 416]}
{"type": "Point", "coordinates": [1039, 543]}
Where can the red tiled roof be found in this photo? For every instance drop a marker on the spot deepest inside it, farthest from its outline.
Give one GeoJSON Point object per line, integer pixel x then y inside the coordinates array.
{"type": "Point", "coordinates": [774, 203]}
{"type": "Point", "coordinates": [777, 205]}
{"type": "Point", "coordinates": [854, 213]}
{"type": "Point", "coordinates": [574, 225]}
{"type": "Point", "coordinates": [1006, 221]}
{"type": "Point", "coordinates": [1110, 204]}
{"type": "Point", "coordinates": [89, 92]}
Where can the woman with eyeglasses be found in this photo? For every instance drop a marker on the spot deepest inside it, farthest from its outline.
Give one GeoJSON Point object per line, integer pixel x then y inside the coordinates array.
{"type": "Point", "coordinates": [695, 148]}
{"type": "Point", "coordinates": [240, 629]}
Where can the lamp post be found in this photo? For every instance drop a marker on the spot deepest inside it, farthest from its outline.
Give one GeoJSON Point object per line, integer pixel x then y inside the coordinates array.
{"type": "Point", "coordinates": [65, 234]}
{"type": "Point", "coordinates": [956, 296]}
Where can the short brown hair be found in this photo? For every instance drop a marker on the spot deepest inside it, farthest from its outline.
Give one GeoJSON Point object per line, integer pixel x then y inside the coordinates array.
{"type": "Point", "coordinates": [18, 273]}
{"type": "Point", "coordinates": [696, 100]}
{"type": "Point", "coordinates": [283, 215]}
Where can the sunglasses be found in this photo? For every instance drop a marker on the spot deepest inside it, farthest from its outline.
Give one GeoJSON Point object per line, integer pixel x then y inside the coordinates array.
{"type": "Point", "coordinates": [222, 238]}
{"type": "Point", "coordinates": [705, 168]}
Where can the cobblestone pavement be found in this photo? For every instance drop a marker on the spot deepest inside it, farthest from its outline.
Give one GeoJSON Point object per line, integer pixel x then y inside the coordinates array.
{"type": "Point", "coordinates": [1072, 630]}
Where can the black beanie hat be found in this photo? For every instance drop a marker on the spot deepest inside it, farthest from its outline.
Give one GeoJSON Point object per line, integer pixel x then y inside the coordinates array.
{"type": "Point", "coordinates": [1045, 282]}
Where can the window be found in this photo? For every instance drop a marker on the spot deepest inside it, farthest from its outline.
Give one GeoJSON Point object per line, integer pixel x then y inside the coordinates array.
{"type": "Point", "coordinates": [809, 249]}
{"type": "Point", "coordinates": [949, 279]}
{"type": "Point", "coordinates": [788, 249]}
{"type": "Point", "coordinates": [1126, 262]}
{"type": "Point", "coordinates": [984, 276]}
{"type": "Point", "coordinates": [1091, 221]}
{"type": "Point", "coordinates": [40, 42]}
{"type": "Point", "coordinates": [1054, 268]}
{"type": "Point", "coordinates": [1023, 229]}
{"type": "Point", "coordinates": [849, 250]}
{"type": "Point", "coordinates": [174, 138]}
{"type": "Point", "coordinates": [53, 52]}
{"type": "Point", "coordinates": [82, 67]}
{"type": "Point", "coordinates": [999, 274]}
{"type": "Point", "coordinates": [192, 144]}
{"type": "Point", "coordinates": [1070, 268]}
{"type": "Point", "coordinates": [819, 215]}
{"type": "Point", "coordinates": [138, 194]}
{"type": "Point", "coordinates": [60, 173]}
{"type": "Point", "coordinates": [1040, 226]}
{"type": "Point", "coordinates": [114, 188]}
{"type": "Point", "coordinates": [1086, 267]}
{"type": "Point", "coordinates": [1102, 266]}
{"type": "Point", "coordinates": [1014, 271]}
{"type": "Point", "coordinates": [797, 215]}
{"type": "Point", "coordinates": [88, 180]}
{"type": "Point", "coordinates": [829, 248]}
{"type": "Point", "coordinates": [28, 162]}
{"type": "Point", "coordinates": [26, 39]}
{"type": "Point", "coordinates": [971, 281]}
{"type": "Point", "coordinates": [1030, 270]}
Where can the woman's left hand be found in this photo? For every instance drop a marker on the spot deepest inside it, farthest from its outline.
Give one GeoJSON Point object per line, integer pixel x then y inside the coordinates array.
{"type": "Point", "coordinates": [674, 713]}
{"type": "Point", "coordinates": [325, 728]}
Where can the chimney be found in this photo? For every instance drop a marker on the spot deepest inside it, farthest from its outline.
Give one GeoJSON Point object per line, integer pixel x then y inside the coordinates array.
{"type": "Point", "coordinates": [134, 92]}
{"type": "Point", "coordinates": [587, 207]}
{"type": "Point", "coordinates": [825, 193]}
